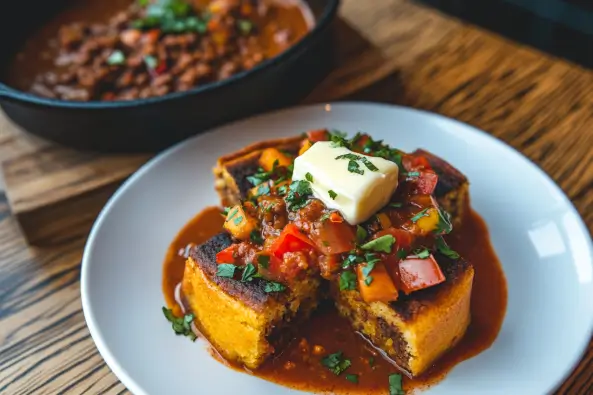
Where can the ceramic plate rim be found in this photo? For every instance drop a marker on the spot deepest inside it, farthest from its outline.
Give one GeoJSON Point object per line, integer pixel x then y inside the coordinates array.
{"type": "Point", "coordinates": [90, 318]}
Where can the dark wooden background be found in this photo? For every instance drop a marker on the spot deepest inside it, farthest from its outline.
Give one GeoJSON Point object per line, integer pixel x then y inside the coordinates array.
{"type": "Point", "coordinates": [396, 52]}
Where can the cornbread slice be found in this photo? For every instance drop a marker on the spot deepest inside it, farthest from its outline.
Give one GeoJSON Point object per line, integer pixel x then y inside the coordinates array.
{"type": "Point", "coordinates": [232, 170]}
{"type": "Point", "coordinates": [416, 329]}
{"type": "Point", "coordinates": [243, 322]}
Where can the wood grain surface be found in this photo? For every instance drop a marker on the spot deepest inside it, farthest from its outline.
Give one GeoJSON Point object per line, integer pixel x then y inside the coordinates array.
{"type": "Point", "coordinates": [540, 105]}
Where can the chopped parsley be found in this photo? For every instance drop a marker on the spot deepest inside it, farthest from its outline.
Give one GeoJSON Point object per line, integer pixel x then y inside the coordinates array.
{"type": "Point", "coordinates": [444, 225]}
{"type": "Point", "coordinates": [233, 213]}
{"type": "Point", "coordinates": [371, 361]}
{"type": "Point", "coordinates": [263, 261]}
{"type": "Point", "coordinates": [347, 281]}
{"type": "Point", "coordinates": [422, 213]}
{"type": "Point", "coordinates": [245, 26]}
{"type": "Point", "coordinates": [262, 189]}
{"type": "Point", "coordinates": [422, 253]}
{"type": "Point", "coordinates": [238, 220]}
{"type": "Point", "coordinates": [369, 165]}
{"type": "Point", "coordinates": [395, 384]}
{"type": "Point", "coordinates": [309, 177]}
{"type": "Point", "coordinates": [332, 194]}
{"type": "Point", "coordinates": [401, 254]}
{"type": "Point", "coordinates": [348, 156]}
{"type": "Point", "coordinates": [248, 272]}
{"type": "Point", "coordinates": [380, 244]}
{"type": "Point", "coordinates": [272, 286]}
{"type": "Point", "coordinates": [336, 363]}
{"type": "Point", "coordinates": [366, 272]}
{"type": "Point", "coordinates": [396, 205]}
{"type": "Point", "coordinates": [412, 174]}
{"type": "Point", "coordinates": [361, 234]}
{"type": "Point", "coordinates": [325, 216]}
{"type": "Point", "coordinates": [444, 249]}
{"type": "Point", "coordinates": [353, 378]}
{"type": "Point", "coordinates": [354, 167]}
{"type": "Point", "coordinates": [226, 270]}
{"type": "Point", "coordinates": [256, 237]}
{"type": "Point", "coordinates": [262, 175]}
{"type": "Point", "coordinates": [117, 57]}
{"type": "Point", "coordinates": [181, 325]}
{"type": "Point", "coordinates": [351, 260]}
{"type": "Point", "coordinates": [151, 62]}
{"type": "Point", "coordinates": [171, 16]}
{"type": "Point", "coordinates": [298, 194]}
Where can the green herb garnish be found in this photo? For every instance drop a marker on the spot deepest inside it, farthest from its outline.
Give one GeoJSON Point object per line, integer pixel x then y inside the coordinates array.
{"type": "Point", "coordinates": [226, 270]}
{"type": "Point", "coordinates": [309, 177]}
{"type": "Point", "coordinates": [272, 286]}
{"type": "Point", "coordinates": [181, 325]}
{"type": "Point", "coordinates": [256, 237]}
{"type": "Point", "coordinates": [245, 26]}
{"type": "Point", "coordinates": [298, 194]}
{"type": "Point", "coordinates": [413, 174]}
{"type": "Point", "coordinates": [354, 167]}
{"type": "Point", "coordinates": [233, 213]}
{"type": "Point", "coordinates": [380, 244]}
{"type": "Point", "coordinates": [422, 253]}
{"type": "Point", "coordinates": [332, 194]}
{"type": "Point", "coordinates": [444, 249]}
{"type": "Point", "coordinates": [401, 254]}
{"type": "Point", "coordinates": [248, 272]}
{"type": "Point", "coordinates": [150, 62]}
{"type": "Point", "coordinates": [263, 261]}
{"type": "Point", "coordinates": [347, 281]}
{"type": "Point", "coordinates": [422, 213]}
{"type": "Point", "coordinates": [369, 165]}
{"type": "Point", "coordinates": [366, 271]}
{"type": "Point", "coordinates": [395, 384]}
{"type": "Point", "coordinates": [395, 205]}
{"type": "Point", "coordinates": [336, 363]}
{"type": "Point", "coordinates": [361, 234]}
{"type": "Point", "coordinates": [444, 225]}
{"type": "Point", "coordinates": [238, 220]}
{"type": "Point", "coordinates": [353, 378]}
{"type": "Point", "coordinates": [171, 16]}
{"type": "Point", "coordinates": [117, 57]}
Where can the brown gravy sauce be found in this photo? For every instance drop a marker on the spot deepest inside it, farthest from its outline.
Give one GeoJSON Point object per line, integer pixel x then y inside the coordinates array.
{"type": "Point", "coordinates": [302, 370]}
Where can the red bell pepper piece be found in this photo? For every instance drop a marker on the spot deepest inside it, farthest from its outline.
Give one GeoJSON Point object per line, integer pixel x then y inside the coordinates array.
{"type": "Point", "coordinates": [317, 135]}
{"type": "Point", "coordinates": [227, 255]}
{"type": "Point", "coordinates": [290, 240]}
{"type": "Point", "coordinates": [416, 273]}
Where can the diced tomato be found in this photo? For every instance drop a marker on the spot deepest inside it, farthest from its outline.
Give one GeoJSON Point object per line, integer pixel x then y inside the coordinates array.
{"type": "Point", "coordinates": [227, 255]}
{"type": "Point", "coordinates": [427, 182]}
{"type": "Point", "coordinates": [318, 135]}
{"type": "Point", "coordinates": [377, 286]}
{"type": "Point", "coordinates": [335, 217]}
{"type": "Point", "coordinates": [416, 273]}
{"type": "Point", "coordinates": [403, 238]}
{"type": "Point", "coordinates": [415, 163]}
{"type": "Point", "coordinates": [334, 237]}
{"type": "Point", "coordinates": [290, 240]}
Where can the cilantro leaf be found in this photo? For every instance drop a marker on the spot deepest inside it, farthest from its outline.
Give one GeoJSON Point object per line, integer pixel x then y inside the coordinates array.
{"type": "Point", "coordinates": [226, 270]}
{"type": "Point", "coordinates": [361, 234]}
{"type": "Point", "coordinates": [353, 378]}
{"type": "Point", "coordinates": [395, 384]}
{"type": "Point", "coordinates": [444, 225]}
{"type": "Point", "coordinates": [401, 254]}
{"type": "Point", "coordinates": [298, 194]}
{"type": "Point", "coordinates": [256, 237]}
{"type": "Point", "coordinates": [181, 325]}
{"type": "Point", "coordinates": [444, 249]}
{"type": "Point", "coordinates": [263, 261]}
{"type": "Point", "coordinates": [272, 286]}
{"type": "Point", "coordinates": [369, 165]}
{"type": "Point", "coordinates": [117, 57]}
{"type": "Point", "coordinates": [354, 167]}
{"type": "Point", "coordinates": [422, 253]}
{"type": "Point", "coordinates": [332, 194]}
{"type": "Point", "coordinates": [380, 244]}
{"type": "Point", "coordinates": [396, 205]}
{"type": "Point", "coordinates": [248, 272]}
{"type": "Point", "coordinates": [347, 281]}
{"type": "Point", "coordinates": [420, 214]}
{"type": "Point", "coordinates": [309, 177]}
{"type": "Point", "coordinates": [336, 363]}
{"type": "Point", "coordinates": [366, 271]}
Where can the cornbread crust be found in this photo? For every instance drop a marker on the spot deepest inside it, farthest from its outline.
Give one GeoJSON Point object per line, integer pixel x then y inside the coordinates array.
{"type": "Point", "coordinates": [242, 322]}
{"type": "Point", "coordinates": [231, 171]}
{"type": "Point", "coordinates": [415, 330]}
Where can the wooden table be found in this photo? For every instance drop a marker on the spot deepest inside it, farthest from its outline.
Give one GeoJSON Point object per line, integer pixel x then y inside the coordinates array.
{"type": "Point", "coordinates": [541, 105]}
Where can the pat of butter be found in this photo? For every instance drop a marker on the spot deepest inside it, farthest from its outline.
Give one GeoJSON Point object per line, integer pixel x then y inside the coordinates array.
{"type": "Point", "coordinates": [358, 196]}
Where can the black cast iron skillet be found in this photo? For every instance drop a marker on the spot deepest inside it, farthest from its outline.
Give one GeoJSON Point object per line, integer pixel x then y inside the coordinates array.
{"type": "Point", "coordinates": [155, 123]}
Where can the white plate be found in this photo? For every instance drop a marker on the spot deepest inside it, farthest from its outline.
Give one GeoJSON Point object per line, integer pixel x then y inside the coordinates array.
{"type": "Point", "coordinates": [541, 241]}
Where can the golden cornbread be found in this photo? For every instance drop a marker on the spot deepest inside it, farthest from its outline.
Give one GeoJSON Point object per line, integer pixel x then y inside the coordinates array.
{"type": "Point", "coordinates": [415, 330]}
{"type": "Point", "coordinates": [243, 322]}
